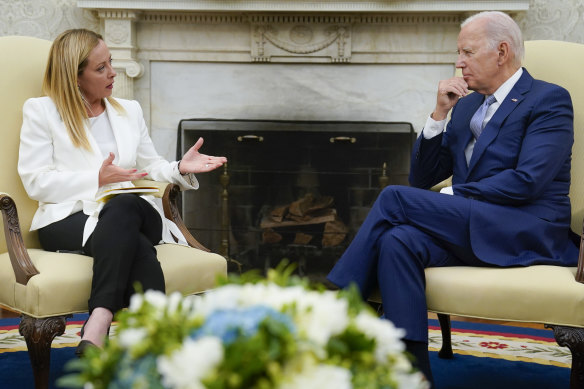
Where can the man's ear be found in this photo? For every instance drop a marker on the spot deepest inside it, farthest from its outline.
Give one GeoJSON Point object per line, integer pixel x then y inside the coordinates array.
{"type": "Point", "coordinates": [504, 53]}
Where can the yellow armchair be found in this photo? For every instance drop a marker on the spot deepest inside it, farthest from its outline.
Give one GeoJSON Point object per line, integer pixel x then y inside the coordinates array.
{"type": "Point", "coordinates": [45, 287]}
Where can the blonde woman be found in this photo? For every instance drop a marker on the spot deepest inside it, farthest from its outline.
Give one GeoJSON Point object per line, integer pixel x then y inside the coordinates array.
{"type": "Point", "coordinates": [78, 141]}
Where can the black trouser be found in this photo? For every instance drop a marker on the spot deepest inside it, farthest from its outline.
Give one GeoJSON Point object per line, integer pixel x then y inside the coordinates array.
{"type": "Point", "coordinates": [122, 247]}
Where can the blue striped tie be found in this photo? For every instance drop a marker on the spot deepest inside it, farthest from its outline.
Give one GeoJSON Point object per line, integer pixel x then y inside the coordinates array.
{"type": "Point", "coordinates": [476, 123]}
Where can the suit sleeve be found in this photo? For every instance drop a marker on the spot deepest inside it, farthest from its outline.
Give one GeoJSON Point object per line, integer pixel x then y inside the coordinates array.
{"type": "Point", "coordinates": [431, 161]}
{"type": "Point", "coordinates": [36, 162]}
{"type": "Point", "coordinates": [546, 146]}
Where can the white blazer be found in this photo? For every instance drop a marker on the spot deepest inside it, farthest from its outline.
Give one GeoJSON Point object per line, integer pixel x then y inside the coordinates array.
{"type": "Point", "coordinates": [64, 178]}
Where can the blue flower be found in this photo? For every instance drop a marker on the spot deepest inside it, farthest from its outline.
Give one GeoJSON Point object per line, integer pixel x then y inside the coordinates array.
{"type": "Point", "coordinates": [228, 324]}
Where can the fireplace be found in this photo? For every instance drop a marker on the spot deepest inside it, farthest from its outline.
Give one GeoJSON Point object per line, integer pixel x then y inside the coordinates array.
{"type": "Point", "coordinates": [330, 170]}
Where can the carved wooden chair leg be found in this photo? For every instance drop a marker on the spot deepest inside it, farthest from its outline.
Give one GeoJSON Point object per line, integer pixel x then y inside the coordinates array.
{"type": "Point", "coordinates": [446, 350]}
{"type": "Point", "coordinates": [39, 334]}
{"type": "Point", "coordinates": [573, 338]}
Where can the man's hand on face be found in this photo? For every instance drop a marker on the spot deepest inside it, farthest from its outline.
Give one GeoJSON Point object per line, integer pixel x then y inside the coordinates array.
{"type": "Point", "coordinates": [449, 91]}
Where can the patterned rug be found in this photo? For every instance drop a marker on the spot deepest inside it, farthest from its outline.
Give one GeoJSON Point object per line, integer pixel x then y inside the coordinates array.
{"type": "Point", "coordinates": [485, 357]}
{"type": "Point", "coordinates": [503, 342]}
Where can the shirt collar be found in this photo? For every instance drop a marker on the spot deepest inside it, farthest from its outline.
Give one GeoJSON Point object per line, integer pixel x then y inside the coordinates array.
{"type": "Point", "coordinates": [501, 93]}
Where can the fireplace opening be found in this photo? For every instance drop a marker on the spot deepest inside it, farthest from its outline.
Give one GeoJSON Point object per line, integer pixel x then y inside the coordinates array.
{"type": "Point", "coordinates": [295, 190]}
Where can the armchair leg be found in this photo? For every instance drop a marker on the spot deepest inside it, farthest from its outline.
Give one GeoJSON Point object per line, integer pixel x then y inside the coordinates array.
{"type": "Point", "coordinates": [573, 338]}
{"type": "Point", "coordinates": [446, 350]}
{"type": "Point", "coordinates": [39, 334]}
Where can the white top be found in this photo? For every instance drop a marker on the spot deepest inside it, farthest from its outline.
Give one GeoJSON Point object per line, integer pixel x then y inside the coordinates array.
{"type": "Point", "coordinates": [101, 129]}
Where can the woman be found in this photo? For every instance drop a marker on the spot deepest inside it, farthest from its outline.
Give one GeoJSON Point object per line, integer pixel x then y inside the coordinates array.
{"type": "Point", "coordinates": [78, 141]}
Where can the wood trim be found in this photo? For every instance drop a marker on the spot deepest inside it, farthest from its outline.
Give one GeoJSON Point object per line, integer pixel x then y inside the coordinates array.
{"type": "Point", "coordinates": [22, 265]}
{"type": "Point", "coordinates": [169, 204]}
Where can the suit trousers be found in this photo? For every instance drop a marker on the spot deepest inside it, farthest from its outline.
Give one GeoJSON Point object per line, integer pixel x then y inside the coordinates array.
{"type": "Point", "coordinates": [406, 231]}
{"type": "Point", "coordinates": [122, 247]}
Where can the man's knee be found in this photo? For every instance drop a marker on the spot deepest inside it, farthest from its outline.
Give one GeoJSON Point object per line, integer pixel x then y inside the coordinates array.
{"type": "Point", "coordinates": [409, 244]}
{"type": "Point", "coordinates": [390, 193]}
{"type": "Point", "coordinates": [401, 236]}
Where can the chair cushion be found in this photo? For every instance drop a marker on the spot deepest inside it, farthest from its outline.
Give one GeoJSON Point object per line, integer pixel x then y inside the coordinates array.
{"type": "Point", "coordinates": [64, 282]}
{"type": "Point", "coordinates": [539, 294]}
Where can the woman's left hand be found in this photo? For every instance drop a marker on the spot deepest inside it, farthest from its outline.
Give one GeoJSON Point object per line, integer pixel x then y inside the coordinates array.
{"type": "Point", "coordinates": [195, 162]}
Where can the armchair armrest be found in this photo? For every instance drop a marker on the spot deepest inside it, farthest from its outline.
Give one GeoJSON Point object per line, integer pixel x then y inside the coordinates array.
{"type": "Point", "coordinates": [443, 184]}
{"type": "Point", "coordinates": [170, 194]}
{"type": "Point", "coordinates": [22, 265]}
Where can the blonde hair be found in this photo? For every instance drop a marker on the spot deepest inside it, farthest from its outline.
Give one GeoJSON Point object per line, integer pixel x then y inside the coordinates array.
{"type": "Point", "coordinates": [67, 60]}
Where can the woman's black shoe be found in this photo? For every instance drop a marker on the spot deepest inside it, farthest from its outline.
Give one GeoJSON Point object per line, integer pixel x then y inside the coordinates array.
{"type": "Point", "coordinates": [82, 347]}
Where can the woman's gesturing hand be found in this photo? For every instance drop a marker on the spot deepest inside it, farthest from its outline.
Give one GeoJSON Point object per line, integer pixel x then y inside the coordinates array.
{"type": "Point", "coordinates": [195, 162]}
{"type": "Point", "coordinates": [110, 173]}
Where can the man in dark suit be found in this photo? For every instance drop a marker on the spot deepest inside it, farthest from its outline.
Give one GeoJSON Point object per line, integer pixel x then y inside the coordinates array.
{"type": "Point", "coordinates": [507, 147]}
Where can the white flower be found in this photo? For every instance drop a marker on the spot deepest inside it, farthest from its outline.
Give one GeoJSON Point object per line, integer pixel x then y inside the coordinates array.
{"type": "Point", "coordinates": [156, 298]}
{"type": "Point", "coordinates": [132, 336]}
{"type": "Point", "coordinates": [216, 299]}
{"type": "Point", "coordinates": [318, 377]}
{"type": "Point", "coordinates": [173, 302]}
{"type": "Point", "coordinates": [185, 368]}
{"type": "Point", "coordinates": [387, 337]}
{"type": "Point", "coordinates": [136, 302]}
{"type": "Point", "coordinates": [411, 381]}
{"type": "Point", "coordinates": [321, 315]}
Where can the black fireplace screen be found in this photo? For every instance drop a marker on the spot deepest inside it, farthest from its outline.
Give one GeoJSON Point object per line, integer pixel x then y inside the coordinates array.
{"type": "Point", "coordinates": [291, 189]}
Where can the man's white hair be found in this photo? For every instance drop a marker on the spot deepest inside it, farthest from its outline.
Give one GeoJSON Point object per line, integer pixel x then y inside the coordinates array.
{"type": "Point", "coordinates": [500, 27]}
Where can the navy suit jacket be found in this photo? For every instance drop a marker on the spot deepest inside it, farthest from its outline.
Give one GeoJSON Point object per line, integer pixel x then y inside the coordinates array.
{"type": "Point", "coordinates": [519, 173]}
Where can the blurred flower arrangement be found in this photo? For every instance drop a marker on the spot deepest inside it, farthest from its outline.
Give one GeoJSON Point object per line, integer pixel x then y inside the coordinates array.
{"type": "Point", "coordinates": [249, 333]}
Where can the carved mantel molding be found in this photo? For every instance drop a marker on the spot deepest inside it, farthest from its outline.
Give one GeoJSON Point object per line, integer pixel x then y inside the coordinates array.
{"type": "Point", "coordinates": [120, 36]}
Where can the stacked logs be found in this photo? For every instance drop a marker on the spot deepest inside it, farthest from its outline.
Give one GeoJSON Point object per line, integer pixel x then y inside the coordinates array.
{"type": "Point", "coordinates": [311, 220]}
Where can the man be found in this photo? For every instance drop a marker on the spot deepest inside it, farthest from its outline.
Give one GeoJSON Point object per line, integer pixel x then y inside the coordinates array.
{"type": "Point", "coordinates": [507, 147]}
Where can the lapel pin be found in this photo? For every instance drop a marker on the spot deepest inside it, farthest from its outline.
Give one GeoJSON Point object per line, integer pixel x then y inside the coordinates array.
{"type": "Point", "coordinates": [514, 100]}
